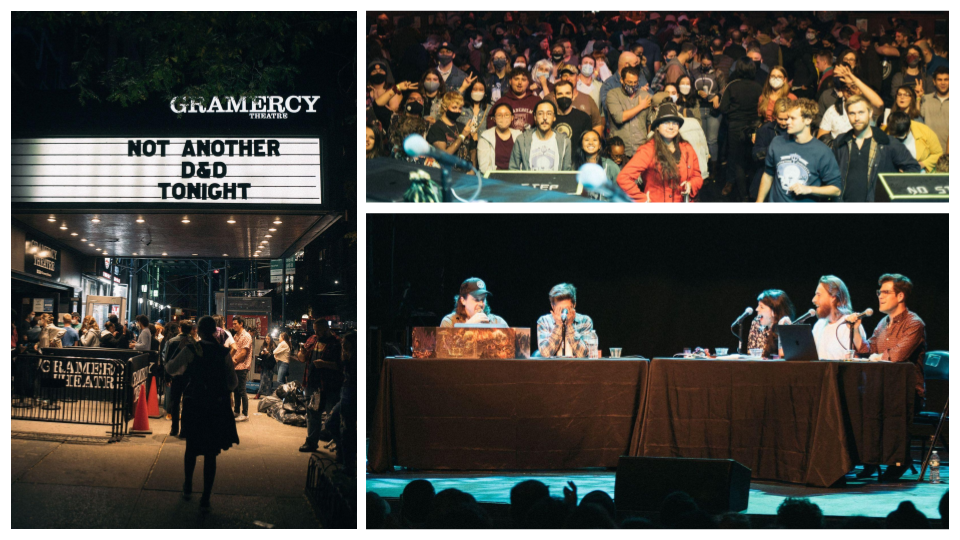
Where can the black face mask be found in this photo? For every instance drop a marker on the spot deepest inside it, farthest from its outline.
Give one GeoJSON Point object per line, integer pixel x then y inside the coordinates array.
{"type": "Point", "coordinates": [499, 63]}
{"type": "Point", "coordinates": [564, 103]}
{"type": "Point", "coordinates": [414, 108]}
{"type": "Point", "coordinates": [452, 116]}
{"type": "Point", "coordinates": [557, 57]}
{"type": "Point", "coordinates": [445, 59]}
{"type": "Point", "coordinates": [378, 78]}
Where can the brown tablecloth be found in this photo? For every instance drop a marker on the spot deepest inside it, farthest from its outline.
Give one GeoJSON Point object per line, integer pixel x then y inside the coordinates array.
{"type": "Point", "coordinates": [802, 422]}
{"type": "Point", "coordinates": [505, 414]}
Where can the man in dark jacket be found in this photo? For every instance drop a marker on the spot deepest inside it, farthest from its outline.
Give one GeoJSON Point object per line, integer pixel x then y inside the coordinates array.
{"type": "Point", "coordinates": [863, 153]}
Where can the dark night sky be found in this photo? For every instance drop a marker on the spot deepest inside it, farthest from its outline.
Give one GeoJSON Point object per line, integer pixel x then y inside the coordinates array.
{"type": "Point", "coordinates": [653, 284]}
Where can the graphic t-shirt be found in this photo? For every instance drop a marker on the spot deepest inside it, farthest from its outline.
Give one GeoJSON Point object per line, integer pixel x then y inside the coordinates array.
{"type": "Point", "coordinates": [790, 162]}
{"type": "Point", "coordinates": [573, 125]}
{"type": "Point", "coordinates": [544, 155]}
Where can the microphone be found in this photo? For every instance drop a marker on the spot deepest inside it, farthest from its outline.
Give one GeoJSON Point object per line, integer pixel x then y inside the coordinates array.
{"type": "Point", "coordinates": [805, 316]}
{"type": "Point", "coordinates": [416, 146]}
{"type": "Point", "coordinates": [592, 177]}
{"type": "Point", "coordinates": [563, 315]}
{"type": "Point", "coordinates": [865, 313]}
{"type": "Point", "coordinates": [746, 313]}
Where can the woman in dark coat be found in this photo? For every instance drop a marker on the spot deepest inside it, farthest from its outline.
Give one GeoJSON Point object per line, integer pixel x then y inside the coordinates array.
{"type": "Point", "coordinates": [207, 424]}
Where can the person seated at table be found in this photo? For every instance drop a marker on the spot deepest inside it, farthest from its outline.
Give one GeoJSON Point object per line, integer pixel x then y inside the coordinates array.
{"type": "Point", "coordinates": [831, 333]}
{"type": "Point", "coordinates": [773, 307]}
{"type": "Point", "coordinates": [901, 336]}
{"type": "Point", "coordinates": [560, 334]}
{"type": "Point", "coordinates": [471, 306]}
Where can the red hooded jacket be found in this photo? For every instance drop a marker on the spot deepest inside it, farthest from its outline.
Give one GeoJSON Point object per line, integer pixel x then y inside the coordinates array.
{"type": "Point", "coordinates": [655, 189]}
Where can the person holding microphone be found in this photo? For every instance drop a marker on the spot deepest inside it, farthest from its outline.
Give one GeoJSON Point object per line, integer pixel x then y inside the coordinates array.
{"type": "Point", "coordinates": [563, 331]}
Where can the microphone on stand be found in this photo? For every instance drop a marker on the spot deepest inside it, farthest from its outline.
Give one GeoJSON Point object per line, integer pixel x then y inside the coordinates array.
{"type": "Point", "coordinates": [863, 314]}
{"type": "Point", "coordinates": [746, 313]}
{"type": "Point", "coordinates": [805, 316]}
{"type": "Point", "coordinates": [416, 146]}
{"type": "Point", "coordinates": [563, 315]}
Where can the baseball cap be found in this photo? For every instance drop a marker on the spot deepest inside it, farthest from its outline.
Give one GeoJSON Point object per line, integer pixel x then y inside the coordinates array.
{"type": "Point", "coordinates": [444, 45]}
{"type": "Point", "coordinates": [474, 286]}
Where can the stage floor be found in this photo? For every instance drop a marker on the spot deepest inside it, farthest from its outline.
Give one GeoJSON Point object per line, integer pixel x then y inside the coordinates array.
{"type": "Point", "coordinates": [858, 498]}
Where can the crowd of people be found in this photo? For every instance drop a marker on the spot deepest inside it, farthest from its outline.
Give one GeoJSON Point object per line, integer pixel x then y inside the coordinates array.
{"type": "Point", "coordinates": [203, 367]}
{"type": "Point", "coordinates": [782, 107]}
{"type": "Point", "coordinates": [533, 507]}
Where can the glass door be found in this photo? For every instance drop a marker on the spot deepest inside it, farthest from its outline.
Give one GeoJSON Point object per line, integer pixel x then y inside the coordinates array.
{"type": "Point", "coordinates": [102, 306]}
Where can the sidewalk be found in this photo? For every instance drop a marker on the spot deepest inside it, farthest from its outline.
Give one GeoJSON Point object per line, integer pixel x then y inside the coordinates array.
{"type": "Point", "coordinates": [136, 483]}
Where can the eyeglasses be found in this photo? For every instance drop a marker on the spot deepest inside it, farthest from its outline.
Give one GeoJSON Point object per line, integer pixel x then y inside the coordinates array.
{"type": "Point", "coordinates": [882, 292]}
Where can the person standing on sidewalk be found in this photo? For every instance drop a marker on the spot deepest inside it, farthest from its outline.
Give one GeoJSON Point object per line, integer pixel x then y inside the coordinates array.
{"type": "Point", "coordinates": [242, 358]}
{"type": "Point", "coordinates": [282, 355]}
{"type": "Point", "coordinates": [207, 425]}
{"type": "Point", "coordinates": [323, 376]}
{"type": "Point", "coordinates": [267, 363]}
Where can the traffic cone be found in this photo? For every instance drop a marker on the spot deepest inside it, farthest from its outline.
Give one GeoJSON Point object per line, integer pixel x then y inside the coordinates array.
{"type": "Point", "coordinates": [141, 424]}
{"type": "Point", "coordinates": [153, 405]}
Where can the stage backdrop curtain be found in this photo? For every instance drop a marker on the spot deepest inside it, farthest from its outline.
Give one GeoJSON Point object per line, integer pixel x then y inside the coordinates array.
{"type": "Point", "coordinates": [802, 422]}
{"type": "Point", "coordinates": [505, 414]}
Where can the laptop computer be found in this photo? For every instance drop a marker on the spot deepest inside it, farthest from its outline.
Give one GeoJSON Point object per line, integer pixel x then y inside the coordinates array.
{"type": "Point", "coordinates": [797, 342]}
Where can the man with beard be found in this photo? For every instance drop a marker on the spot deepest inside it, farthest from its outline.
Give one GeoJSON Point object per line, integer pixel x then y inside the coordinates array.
{"type": "Point", "coordinates": [571, 121]}
{"type": "Point", "coordinates": [542, 149]}
{"type": "Point", "coordinates": [628, 108]}
{"type": "Point", "coordinates": [581, 101]}
{"type": "Point", "coordinates": [864, 153]}
{"type": "Point", "coordinates": [935, 106]}
{"type": "Point", "coordinates": [519, 100]}
{"type": "Point", "coordinates": [453, 76]}
{"type": "Point", "coordinates": [831, 332]}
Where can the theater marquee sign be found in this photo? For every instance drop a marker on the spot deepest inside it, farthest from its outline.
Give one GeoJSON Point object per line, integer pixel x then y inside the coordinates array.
{"type": "Point", "coordinates": [174, 170]}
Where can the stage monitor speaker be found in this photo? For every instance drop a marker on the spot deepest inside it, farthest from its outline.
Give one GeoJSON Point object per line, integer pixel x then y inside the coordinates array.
{"type": "Point", "coordinates": [913, 187]}
{"type": "Point", "coordinates": [718, 485]}
{"type": "Point", "coordinates": [561, 181]}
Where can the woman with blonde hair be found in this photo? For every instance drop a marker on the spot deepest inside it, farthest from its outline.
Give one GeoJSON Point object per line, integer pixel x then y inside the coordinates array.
{"type": "Point", "coordinates": [451, 135]}
{"type": "Point", "coordinates": [90, 332]}
{"type": "Point", "coordinates": [777, 87]}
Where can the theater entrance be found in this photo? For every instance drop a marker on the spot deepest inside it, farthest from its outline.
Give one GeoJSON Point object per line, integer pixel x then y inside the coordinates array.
{"type": "Point", "coordinates": [101, 307]}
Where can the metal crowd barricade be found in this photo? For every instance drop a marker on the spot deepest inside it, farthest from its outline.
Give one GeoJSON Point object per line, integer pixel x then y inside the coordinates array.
{"type": "Point", "coordinates": [331, 493]}
{"type": "Point", "coordinates": [80, 385]}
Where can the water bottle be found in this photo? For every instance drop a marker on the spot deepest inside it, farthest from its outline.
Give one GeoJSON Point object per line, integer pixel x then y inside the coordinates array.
{"type": "Point", "coordinates": [935, 468]}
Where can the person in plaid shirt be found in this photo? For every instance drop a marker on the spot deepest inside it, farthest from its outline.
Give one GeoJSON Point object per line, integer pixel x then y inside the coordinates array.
{"type": "Point", "coordinates": [901, 336]}
{"type": "Point", "coordinates": [559, 337]}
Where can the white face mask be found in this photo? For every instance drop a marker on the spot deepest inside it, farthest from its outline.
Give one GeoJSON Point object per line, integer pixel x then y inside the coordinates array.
{"type": "Point", "coordinates": [587, 70]}
{"type": "Point", "coordinates": [684, 89]}
{"type": "Point", "coordinates": [776, 83]}
{"type": "Point", "coordinates": [674, 98]}
{"type": "Point", "coordinates": [476, 96]}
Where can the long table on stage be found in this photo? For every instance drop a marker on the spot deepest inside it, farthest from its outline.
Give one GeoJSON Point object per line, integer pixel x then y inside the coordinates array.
{"type": "Point", "coordinates": [802, 422]}
{"type": "Point", "coordinates": [505, 414]}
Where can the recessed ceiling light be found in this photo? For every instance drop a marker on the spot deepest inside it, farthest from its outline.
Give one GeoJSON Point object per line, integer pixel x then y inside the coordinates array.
{"type": "Point", "coordinates": [277, 221]}
{"type": "Point", "coordinates": [231, 221]}
{"type": "Point", "coordinates": [272, 230]}
{"type": "Point", "coordinates": [140, 220]}
{"type": "Point", "coordinates": [268, 236]}
{"type": "Point", "coordinates": [63, 227]}
{"type": "Point", "coordinates": [134, 254]}
{"type": "Point", "coordinates": [164, 254]}
{"type": "Point", "coordinates": [52, 219]}
{"type": "Point", "coordinates": [95, 220]}
{"type": "Point", "coordinates": [256, 254]}
{"type": "Point", "coordinates": [264, 242]}
{"type": "Point", "coordinates": [91, 245]}
{"type": "Point", "coordinates": [98, 249]}
{"type": "Point", "coordinates": [185, 220]}
{"type": "Point", "coordinates": [194, 254]}
{"type": "Point", "coordinates": [83, 239]}
{"type": "Point", "coordinates": [225, 255]}
{"type": "Point", "coordinates": [73, 234]}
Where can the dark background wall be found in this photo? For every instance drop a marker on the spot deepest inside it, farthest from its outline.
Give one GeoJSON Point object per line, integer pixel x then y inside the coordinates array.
{"type": "Point", "coordinates": [653, 284]}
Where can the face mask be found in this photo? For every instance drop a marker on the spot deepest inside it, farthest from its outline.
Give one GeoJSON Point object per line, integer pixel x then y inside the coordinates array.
{"type": "Point", "coordinates": [476, 96]}
{"type": "Point", "coordinates": [587, 70]}
{"type": "Point", "coordinates": [776, 83]}
{"type": "Point", "coordinates": [378, 78]}
{"type": "Point", "coordinates": [431, 86]}
{"type": "Point", "coordinates": [684, 89]}
{"type": "Point", "coordinates": [557, 57]}
{"type": "Point", "coordinates": [543, 74]}
{"type": "Point", "coordinates": [913, 61]}
{"type": "Point", "coordinates": [445, 59]}
{"type": "Point", "coordinates": [415, 108]}
{"type": "Point", "coordinates": [811, 36]}
{"type": "Point", "coordinates": [520, 65]}
{"type": "Point", "coordinates": [564, 103]}
{"type": "Point", "coordinates": [630, 89]}
{"type": "Point", "coordinates": [673, 98]}
{"type": "Point", "coordinates": [707, 68]}
{"type": "Point", "coordinates": [478, 44]}
{"type": "Point", "coordinates": [452, 116]}
{"type": "Point", "coordinates": [499, 63]}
